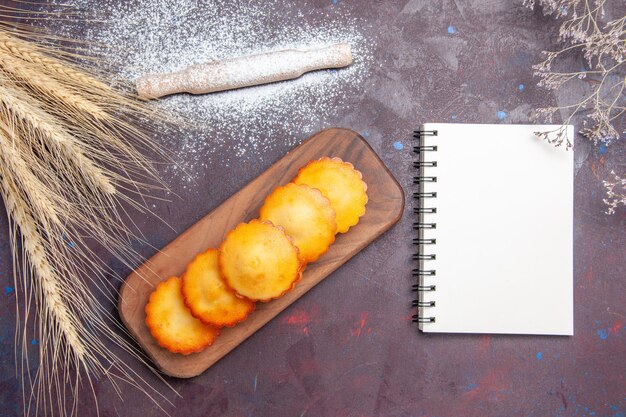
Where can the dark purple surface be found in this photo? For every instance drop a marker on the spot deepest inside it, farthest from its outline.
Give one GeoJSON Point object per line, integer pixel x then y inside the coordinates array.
{"type": "Point", "coordinates": [348, 348]}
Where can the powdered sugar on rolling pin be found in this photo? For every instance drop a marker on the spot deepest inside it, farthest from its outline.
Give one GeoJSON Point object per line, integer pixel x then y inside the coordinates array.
{"type": "Point", "coordinates": [159, 36]}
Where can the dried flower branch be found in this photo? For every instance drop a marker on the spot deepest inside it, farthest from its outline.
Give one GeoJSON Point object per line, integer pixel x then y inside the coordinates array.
{"type": "Point", "coordinates": [603, 46]}
{"type": "Point", "coordinates": [556, 137]}
{"type": "Point", "coordinates": [616, 192]}
{"type": "Point", "coordinates": [601, 41]}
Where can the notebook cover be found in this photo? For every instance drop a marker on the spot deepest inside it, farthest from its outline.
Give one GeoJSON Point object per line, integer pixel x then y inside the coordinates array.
{"type": "Point", "coordinates": [503, 230]}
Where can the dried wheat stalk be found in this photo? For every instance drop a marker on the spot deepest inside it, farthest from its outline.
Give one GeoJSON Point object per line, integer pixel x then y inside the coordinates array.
{"type": "Point", "coordinates": [70, 160]}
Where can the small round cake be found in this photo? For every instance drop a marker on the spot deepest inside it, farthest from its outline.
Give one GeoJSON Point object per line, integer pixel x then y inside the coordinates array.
{"type": "Point", "coordinates": [342, 184]}
{"type": "Point", "coordinates": [259, 261]}
{"type": "Point", "coordinates": [306, 216]}
{"type": "Point", "coordinates": [171, 322]}
{"type": "Point", "coordinates": [207, 295]}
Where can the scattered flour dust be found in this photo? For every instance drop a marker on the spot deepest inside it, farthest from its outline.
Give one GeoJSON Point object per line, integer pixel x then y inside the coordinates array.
{"type": "Point", "coordinates": [155, 36]}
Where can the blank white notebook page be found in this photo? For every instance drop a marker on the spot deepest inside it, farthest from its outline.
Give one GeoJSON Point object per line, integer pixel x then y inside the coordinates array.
{"type": "Point", "coordinates": [504, 231]}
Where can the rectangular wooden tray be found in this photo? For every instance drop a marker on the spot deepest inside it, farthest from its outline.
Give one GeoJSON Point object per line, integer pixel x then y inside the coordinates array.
{"type": "Point", "coordinates": [384, 209]}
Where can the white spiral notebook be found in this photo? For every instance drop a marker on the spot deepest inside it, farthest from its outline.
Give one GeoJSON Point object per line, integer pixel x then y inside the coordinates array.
{"type": "Point", "coordinates": [494, 230]}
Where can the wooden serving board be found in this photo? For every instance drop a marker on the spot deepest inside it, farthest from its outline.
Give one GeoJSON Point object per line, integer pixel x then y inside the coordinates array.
{"type": "Point", "coordinates": [384, 209]}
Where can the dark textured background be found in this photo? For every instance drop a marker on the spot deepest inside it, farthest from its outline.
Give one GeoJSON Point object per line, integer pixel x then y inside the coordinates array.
{"type": "Point", "coordinates": [348, 348]}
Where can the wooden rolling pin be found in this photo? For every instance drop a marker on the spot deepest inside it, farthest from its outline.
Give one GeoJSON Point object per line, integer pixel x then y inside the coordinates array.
{"type": "Point", "coordinates": [244, 71]}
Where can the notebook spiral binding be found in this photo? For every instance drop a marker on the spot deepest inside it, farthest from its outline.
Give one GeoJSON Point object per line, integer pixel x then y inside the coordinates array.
{"type": "Point", "coordinates": [421, 164]}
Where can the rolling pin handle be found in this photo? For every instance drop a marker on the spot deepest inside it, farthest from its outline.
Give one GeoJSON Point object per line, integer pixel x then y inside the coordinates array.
{"type": "Point", "coordinates": [159, 85]}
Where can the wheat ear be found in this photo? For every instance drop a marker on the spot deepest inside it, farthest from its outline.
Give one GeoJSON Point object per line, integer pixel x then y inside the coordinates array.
{"type": "Point", "coordinates": [48, 86]}
{"type": "Point", "coordinates": [47, 281]}
{"type": "Point", "coordinates": [40, 122]}
{"type": "Point", "coordinates": [27, 52]}
{"type": "Point", "coordinates": [30, 185]}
